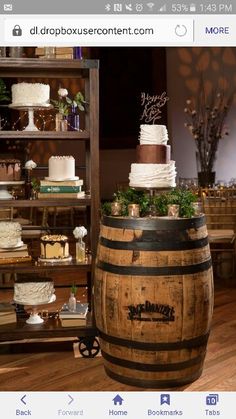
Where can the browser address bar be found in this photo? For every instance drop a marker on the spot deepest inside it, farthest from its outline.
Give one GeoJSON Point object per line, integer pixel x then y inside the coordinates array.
{"type": "Point", "coordinates": [105, 31]}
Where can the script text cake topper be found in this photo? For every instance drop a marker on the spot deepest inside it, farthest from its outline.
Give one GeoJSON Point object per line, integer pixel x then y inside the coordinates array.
{"type": "Point", "coordinates": [152, 106]}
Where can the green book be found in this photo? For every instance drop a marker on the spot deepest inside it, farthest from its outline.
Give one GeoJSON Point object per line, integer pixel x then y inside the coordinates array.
{"type": "Point", "coordinates": [59, 189]}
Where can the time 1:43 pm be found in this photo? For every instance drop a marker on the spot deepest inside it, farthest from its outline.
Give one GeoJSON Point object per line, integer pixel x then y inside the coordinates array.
{"type": "Point", "coordinates": [216, 8]}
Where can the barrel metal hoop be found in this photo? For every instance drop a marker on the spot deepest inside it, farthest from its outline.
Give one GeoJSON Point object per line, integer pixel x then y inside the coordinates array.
{"type": "Point", "coordinates": [177, 366]}
{"type": "Point", "coordinates": [154, 223]}
{"type": "Point", "coordinates": [153, 383]}
{"type": "Point", "coordinates": [156, 346]}
{"type": "Point", "coordinates": [152, 246]}
{"type": "Point", "coordinates": [153, 270]}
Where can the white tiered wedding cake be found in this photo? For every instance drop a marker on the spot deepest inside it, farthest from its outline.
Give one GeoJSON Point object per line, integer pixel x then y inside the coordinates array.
{"type": "Point", "coordinates": [153, 169]}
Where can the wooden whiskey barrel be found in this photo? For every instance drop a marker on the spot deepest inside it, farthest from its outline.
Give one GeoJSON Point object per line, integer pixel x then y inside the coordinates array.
{"type": "Point", "coordinates": [153, 299]}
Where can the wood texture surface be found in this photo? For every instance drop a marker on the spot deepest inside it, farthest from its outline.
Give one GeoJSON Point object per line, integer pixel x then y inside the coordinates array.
{"type": "Point", "coordinates": [153, 307]}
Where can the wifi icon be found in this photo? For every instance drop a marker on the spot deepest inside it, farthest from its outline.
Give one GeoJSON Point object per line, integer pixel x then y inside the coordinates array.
{"type": "Point", "coordinates": [150, 6]}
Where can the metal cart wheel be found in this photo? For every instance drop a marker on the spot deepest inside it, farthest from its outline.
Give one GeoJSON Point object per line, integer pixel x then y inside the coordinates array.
{"type": "Point", "coordinates": [89, 347]}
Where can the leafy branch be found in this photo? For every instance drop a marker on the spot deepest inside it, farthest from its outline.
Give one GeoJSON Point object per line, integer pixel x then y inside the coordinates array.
{"type": "Point", "coordinates": [206, 122]}
{"type": "Point", "coordinates": [4, 94]}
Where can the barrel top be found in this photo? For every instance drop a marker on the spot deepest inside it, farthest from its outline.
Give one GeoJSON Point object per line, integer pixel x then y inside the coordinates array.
{"type": "Point", "coordinates": [154, 223]}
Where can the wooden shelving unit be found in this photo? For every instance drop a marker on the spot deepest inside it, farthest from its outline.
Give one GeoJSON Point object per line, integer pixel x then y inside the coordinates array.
{"type": "Point", "coordinates": [74, 69]}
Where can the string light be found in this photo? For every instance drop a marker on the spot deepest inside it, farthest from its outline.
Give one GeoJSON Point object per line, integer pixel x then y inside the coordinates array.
{"type": "Point", "coordinates": [4, 121]}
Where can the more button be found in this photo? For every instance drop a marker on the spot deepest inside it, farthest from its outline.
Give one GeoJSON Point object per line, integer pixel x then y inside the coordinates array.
{"type": "Point", "coordinates": [217, 30]}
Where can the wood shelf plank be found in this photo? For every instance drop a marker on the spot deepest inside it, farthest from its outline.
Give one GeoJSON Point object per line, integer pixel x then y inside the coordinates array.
{"type": "Point", "coordinates": [53, 68]}
{"type": "Point", "coordinates": [45, 135]}
{"type": "Point", "coordinates": [50, 328]}
{"type": "Point", "coordinates": [36, 267]}
{"type": "Point", "coordinates": [37, 203]}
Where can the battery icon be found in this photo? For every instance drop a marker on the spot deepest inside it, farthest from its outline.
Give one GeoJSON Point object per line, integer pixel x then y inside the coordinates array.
{"type": "Point", "coordinates": [192, 7]}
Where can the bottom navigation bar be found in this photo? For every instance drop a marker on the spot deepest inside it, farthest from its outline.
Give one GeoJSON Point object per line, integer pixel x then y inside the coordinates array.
{"type": "Point", "coordinates": [102, 405]}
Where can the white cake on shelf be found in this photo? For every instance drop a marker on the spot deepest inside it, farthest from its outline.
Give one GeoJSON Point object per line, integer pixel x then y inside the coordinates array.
{"type": "Point", "coordinates": [10, 234]}
{"type": "Point", "coordinates": [34, 293]}
{"type": "Point", "coordinates": [30, 94]}
{"type": "Point", "coordinates": [61, 168]}
{"type": "Point", "coordinates": [153, 169]}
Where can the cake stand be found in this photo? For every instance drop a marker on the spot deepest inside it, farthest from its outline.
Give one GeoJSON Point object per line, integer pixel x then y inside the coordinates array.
{"type": "Point", "coordinates": [30, 108]}
{"type": "Point", "coordinates": [34, 316]}
{"type": "Point", "coordinates": [4, 194]}
{"type": "Point", "coordinates": [54, 260]}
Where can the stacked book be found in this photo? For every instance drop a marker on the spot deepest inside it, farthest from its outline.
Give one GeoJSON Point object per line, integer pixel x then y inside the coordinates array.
{"type": "Point", "coordinates": [68, 189]}
{"type": "Point", "coordinates": [14, 255]}
{"type": "Point", "coordinates": [63, 53]}
{"type": "Point", "coordinates": [74, 318]}
{"type": "Point", "coordinates": [7, 313]}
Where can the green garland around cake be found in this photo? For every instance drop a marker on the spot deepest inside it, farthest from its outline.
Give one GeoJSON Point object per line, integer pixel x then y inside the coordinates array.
{"type": "Point", "coordinates": [181, 197]}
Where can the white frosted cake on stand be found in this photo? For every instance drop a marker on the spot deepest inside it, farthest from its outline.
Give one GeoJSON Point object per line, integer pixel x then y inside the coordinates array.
{"type": "Point", "coordinates": [34, 294]}
{"type": "Point", "coordinates": [30, 96]}
{"type": "Point", "coordinates": [153, 169]}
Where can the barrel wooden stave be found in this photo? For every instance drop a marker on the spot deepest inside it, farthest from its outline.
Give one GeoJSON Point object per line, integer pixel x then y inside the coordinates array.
{"type": "Point", "coordinates": [191, 294]}
{"type": "Point", "coordinates": [113, 296]}
{"type": "Point", "coordinates": [160, 357]}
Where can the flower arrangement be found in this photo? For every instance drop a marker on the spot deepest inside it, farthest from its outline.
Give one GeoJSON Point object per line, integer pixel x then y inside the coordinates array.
{"type": "Point", "coordinates": [80, 232]}
{"type": "Point", "coordinates": [206, 122]}
{"type": "Point", "coordinates": [64, 103]}
{"type": "Point", "coordinates": [30, 165]}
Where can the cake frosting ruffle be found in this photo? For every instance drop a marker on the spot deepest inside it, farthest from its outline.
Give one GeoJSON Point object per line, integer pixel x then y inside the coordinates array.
{"type": "Point", "coordinates": [152, 175]}
{"type": "Point", "coordinates": [10, 234]}
{"type": "Point", "coordinates": [153, 134]}
{"type": "Point", "coordinates": [30, 94]}
{"type": "Point", "coordinates": [33, 293]}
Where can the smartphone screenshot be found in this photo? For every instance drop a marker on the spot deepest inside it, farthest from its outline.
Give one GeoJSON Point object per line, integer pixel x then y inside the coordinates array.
{"type": "Point", "coordinates": [117, 209]}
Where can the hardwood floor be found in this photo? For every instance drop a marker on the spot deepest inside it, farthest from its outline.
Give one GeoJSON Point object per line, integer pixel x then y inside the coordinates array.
{"type": "Point", "coordinates": [52, 370]}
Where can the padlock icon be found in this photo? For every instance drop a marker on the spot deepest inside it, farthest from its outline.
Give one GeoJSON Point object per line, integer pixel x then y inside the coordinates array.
{"type": "Point", "coordinates": [17, 31]}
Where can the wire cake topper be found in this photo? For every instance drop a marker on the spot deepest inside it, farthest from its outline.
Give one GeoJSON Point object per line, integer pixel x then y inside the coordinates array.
{"type": "Point", "coordinates": [152, 106]}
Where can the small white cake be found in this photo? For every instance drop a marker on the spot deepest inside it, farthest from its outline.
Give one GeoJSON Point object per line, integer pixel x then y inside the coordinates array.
{"type": "Point", "coordinates": [30, 94]}
{"type": "Point", "coordinates": [61, 168]}
{"type": "Point", "coordinates": [33, 293]}
{"type": "Point", "coordinates": [10, 234]}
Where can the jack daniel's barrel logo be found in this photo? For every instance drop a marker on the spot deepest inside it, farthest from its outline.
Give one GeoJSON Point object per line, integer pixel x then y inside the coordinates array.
{"type": "Point", "coordinates": [151, 312]}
